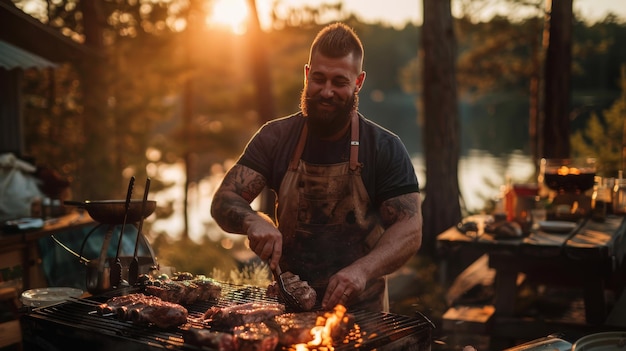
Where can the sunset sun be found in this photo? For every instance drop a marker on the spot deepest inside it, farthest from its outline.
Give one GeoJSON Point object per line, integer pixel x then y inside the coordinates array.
{"type": "Point", "coordinates": [231, 14]}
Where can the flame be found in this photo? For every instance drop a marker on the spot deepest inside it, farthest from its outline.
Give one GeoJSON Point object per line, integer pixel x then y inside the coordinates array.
{"type": "Point", "coordinates": [322, 332]}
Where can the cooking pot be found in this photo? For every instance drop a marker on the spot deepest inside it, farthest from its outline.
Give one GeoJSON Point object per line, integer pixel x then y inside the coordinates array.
{"type": "Point", "coordinates": [112, 211]}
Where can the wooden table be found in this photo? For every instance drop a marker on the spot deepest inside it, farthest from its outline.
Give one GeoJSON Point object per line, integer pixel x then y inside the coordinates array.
{"type": "Point", "coordinates": [590, 257]}
{"type": "Point", "coordinates": [20, 249]}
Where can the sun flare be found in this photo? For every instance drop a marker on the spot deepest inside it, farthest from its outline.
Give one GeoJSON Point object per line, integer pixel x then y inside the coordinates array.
{"type": "Point", "coordinates": [232, 14]}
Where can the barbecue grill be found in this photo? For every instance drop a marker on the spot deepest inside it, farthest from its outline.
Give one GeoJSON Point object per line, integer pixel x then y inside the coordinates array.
{"type": "Point", "coordinates": [75, 323]}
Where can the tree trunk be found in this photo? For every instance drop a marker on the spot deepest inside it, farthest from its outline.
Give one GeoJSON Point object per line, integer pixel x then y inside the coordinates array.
{"type": "Point", "coordinates": [441, 208]}
{"type": "Point", "coordinates": [263, 83]}
{"type": "Point", "coordinates": [556, 128]}
{"type": "Point", "coordinates": [99, 148]}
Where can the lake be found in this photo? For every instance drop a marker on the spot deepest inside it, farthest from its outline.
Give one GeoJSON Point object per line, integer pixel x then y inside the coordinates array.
{"type": "Point", "coordinates": [481, 175]}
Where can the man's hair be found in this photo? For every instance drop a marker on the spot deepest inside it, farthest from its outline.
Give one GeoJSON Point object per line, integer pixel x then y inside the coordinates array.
{"type": "Point", "coordinates": [337, 40]}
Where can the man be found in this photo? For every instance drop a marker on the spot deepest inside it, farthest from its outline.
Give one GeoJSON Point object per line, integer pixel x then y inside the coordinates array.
{"type": "Point", "coordinates": [348, 204]}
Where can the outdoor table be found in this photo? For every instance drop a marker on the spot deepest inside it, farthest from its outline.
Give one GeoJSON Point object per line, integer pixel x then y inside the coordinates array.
{"type": "Point", "coordinates": [21, 249]}
{"type": "Point", "coordinates": [589, 257]}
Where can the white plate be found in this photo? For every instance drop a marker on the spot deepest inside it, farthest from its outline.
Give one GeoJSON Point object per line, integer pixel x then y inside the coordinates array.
{"type": "Point", "coordinates": [557, 226]}
{"type": "Point", "coordinates": [607, 341]}
{"type": "Point", "coordinates": [48, 296]}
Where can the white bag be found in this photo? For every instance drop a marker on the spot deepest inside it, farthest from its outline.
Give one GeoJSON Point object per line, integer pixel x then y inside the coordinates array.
{"type": "Point", "coordinates": [18, 187]}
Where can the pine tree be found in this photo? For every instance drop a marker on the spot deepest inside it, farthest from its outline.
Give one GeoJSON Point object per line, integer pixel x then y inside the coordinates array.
{"type": "Point", "coordinates": [605, 135]}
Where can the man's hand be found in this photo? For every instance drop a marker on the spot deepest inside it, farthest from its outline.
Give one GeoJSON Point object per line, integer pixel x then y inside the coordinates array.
{"type": "Point", "coordinates": [265, 239]}
{"type": "Point", "coordinates": [231, 210]}
{"type": "Point", "coordinates": [345, 284]}
{"type": "Point", "coordinates": [402, 219]}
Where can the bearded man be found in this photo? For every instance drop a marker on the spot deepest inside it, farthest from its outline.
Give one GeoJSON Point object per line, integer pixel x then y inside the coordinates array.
{"type": "Point", "coordinates": [348, 209]}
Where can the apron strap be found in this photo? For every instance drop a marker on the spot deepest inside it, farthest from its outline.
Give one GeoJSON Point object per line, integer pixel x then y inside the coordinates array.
{"type": "Point", "coordinates": [354, 144]}
{"type": "Point", "coordinates": [293, 165]}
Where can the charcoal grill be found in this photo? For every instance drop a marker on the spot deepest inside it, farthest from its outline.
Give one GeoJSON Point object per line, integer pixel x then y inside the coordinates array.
{"type": "Point", "coordinates": [75, 323]}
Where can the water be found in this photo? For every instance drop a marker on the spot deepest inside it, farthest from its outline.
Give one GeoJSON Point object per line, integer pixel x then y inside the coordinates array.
{"type": "Point", "coordinates": [481, 175]}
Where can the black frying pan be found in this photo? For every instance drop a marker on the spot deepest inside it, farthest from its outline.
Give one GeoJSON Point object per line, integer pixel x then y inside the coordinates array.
{"type": "Point", "coordinates": [112, 211]}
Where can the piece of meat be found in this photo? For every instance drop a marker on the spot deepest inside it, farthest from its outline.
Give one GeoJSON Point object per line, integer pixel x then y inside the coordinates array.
{"type": "Point", "coordinates": [210, 289]}
{"type": "Point", "coordinates": [255, 337]}
{"type": "Point", "coordinates": [272, 290]}
{"type": "Point", "coordinates": [300, 289]}
{"type": "Point", "coordinates": [184, 289]}
{"type": "Point", "coordinates": [111, 305]}
{"type": "Point", "coordinates": [209, 338]}
{"type": "Point", "coordinates": [251, 312]}
{"type": "Point", "coordinates": [164, 315]}
{"type": "Point", "coordinates": [123, 313]}
{"type": "Point", "coordinates": [295, 328]}
{"type": "Point", "coordinates": [144, 309]}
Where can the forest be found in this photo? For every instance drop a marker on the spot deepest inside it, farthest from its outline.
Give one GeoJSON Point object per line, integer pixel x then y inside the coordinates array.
{"type": "Point", "coordinates": [166, 89]}
{"type": "Point", "coordinates": [191, 90]}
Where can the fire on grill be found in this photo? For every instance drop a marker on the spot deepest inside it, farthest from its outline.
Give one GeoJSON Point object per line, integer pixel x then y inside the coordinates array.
{"type": "Point", "coordinates": [238, 318]}
{"type": "Point", "coordinates": [255, 325]}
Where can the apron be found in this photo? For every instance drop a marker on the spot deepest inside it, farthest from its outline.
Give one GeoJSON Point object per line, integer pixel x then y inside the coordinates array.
{"type": "Point", "coordinates": [327, 221]}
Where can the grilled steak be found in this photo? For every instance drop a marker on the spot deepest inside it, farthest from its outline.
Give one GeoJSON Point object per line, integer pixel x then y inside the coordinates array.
{"type": "Point", "coordinates": [183, 288]}
{"type": "Point", "coordinates": [237, 315]}
{"type": "Point", "coordinates": [255, 337]}
{"type": "Point", "coordinates": [300, 289]}
{"type": "Point", "coordinates": [163, 315]}
{"type": "Point", "coordinates": [295, 328]}
{"type": "Point", "coordinates": [142, 309]}
{"type": "Point", "coordinates": [208, 338]}
{"type": "Point", "coordinates": [112, 305]}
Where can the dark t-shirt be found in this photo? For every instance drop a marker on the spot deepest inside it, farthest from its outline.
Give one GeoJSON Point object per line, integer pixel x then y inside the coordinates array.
{"type": "Point", "coordinates": [387, 169]}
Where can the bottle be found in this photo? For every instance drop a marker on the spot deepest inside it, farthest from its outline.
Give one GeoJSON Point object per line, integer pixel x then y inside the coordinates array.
{"type": "Point", "coordinates": [619, 195]}
{"type": "Point", "coordinates": [600, 200]}
{"type": "Point", "coordinates": [509, 200]}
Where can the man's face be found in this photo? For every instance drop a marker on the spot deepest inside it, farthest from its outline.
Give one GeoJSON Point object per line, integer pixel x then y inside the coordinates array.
{"type": "Point", "coordinates": [331, 87]}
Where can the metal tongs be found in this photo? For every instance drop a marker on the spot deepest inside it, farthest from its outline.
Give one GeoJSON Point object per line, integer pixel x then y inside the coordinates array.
{"type": "Point", "coordinates": [286, 295]}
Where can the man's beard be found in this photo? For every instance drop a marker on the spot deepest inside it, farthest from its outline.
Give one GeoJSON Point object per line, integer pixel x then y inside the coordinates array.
{"type": "Point", "coordinates": [327, 123]}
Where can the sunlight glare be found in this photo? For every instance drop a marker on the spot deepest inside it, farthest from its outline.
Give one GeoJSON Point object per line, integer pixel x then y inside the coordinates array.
{"type": "Point", "coordinates": [232, 14]}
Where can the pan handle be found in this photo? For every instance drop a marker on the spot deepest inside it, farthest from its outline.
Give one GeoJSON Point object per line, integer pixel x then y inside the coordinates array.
{"type": "Point", "coordinates": [74, 203]}
{"type": "Point", "coordinates": [81, 258]}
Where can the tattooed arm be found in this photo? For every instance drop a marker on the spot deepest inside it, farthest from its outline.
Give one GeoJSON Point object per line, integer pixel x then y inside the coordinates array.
{"type": "Point", "coordinates": [402, 220]}
{"type": "Point", "coordinates": [231, 210]}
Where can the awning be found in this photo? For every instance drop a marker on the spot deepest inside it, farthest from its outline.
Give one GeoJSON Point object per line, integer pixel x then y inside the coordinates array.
{"type": "Point", "coordinates": [13, 57]}
{"type": "Point", "coordinates": [28, 33]}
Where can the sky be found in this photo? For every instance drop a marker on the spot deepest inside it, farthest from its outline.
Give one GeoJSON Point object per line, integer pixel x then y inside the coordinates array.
{"type": "Point", "coordinates": [399, 12]}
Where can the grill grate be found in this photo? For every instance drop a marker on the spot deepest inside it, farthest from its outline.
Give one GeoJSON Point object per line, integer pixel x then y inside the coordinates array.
{"type": "Point", "coordinates": [76, 322]}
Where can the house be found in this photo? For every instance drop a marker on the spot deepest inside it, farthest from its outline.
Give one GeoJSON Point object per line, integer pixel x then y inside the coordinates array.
{"type": "Point", "coordinates": [27, 43]}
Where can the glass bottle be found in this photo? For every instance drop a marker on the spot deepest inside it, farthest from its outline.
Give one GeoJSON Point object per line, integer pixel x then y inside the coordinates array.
{"type": "Point", "coordinates": [600, 200]}
{"type": "Point", "coordinates": [619, 195]}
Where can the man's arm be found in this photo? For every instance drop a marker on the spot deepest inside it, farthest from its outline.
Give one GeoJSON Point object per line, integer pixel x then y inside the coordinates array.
{"type": "Point", "coordinates": [402, 220]}
{"type": "Point", "coordinates": [231, 210]}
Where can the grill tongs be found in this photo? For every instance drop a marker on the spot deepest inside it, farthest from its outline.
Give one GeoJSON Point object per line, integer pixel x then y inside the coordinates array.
{"type": "Point", "coordinates": [290, 300]}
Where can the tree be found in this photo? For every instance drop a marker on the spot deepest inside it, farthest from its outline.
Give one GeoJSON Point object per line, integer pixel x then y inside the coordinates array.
{"type": "Point", "coordinates": [556, 123]}
{"type": "Point", "coordinates": [259, 68]}
{"type": "Point", "coordinates": [441, 208]}
{"type": "Point", "coordinates": [605, 136]}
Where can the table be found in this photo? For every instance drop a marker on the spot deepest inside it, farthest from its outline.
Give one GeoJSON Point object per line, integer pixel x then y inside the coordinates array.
{"type": "Point", "coordinates": [590, 257]}
{"type": "Point", "coordinates": [20, 249]}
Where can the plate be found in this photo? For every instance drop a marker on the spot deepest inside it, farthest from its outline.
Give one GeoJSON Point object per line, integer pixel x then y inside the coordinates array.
{"type": "Point", "coordinates": [557, 226]}
{"type": "Point", "coordinates": [48, 296]}
{"type": "Point", "coordinates": [607, 341]}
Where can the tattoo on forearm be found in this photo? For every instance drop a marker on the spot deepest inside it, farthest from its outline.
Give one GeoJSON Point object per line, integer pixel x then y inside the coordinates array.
{"type": "Point", "coordinates": [397, 208]}
{"type": "Point", "coordinates": [232, 201]}
{"type": "Point", "coordinates": [246, 183]}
